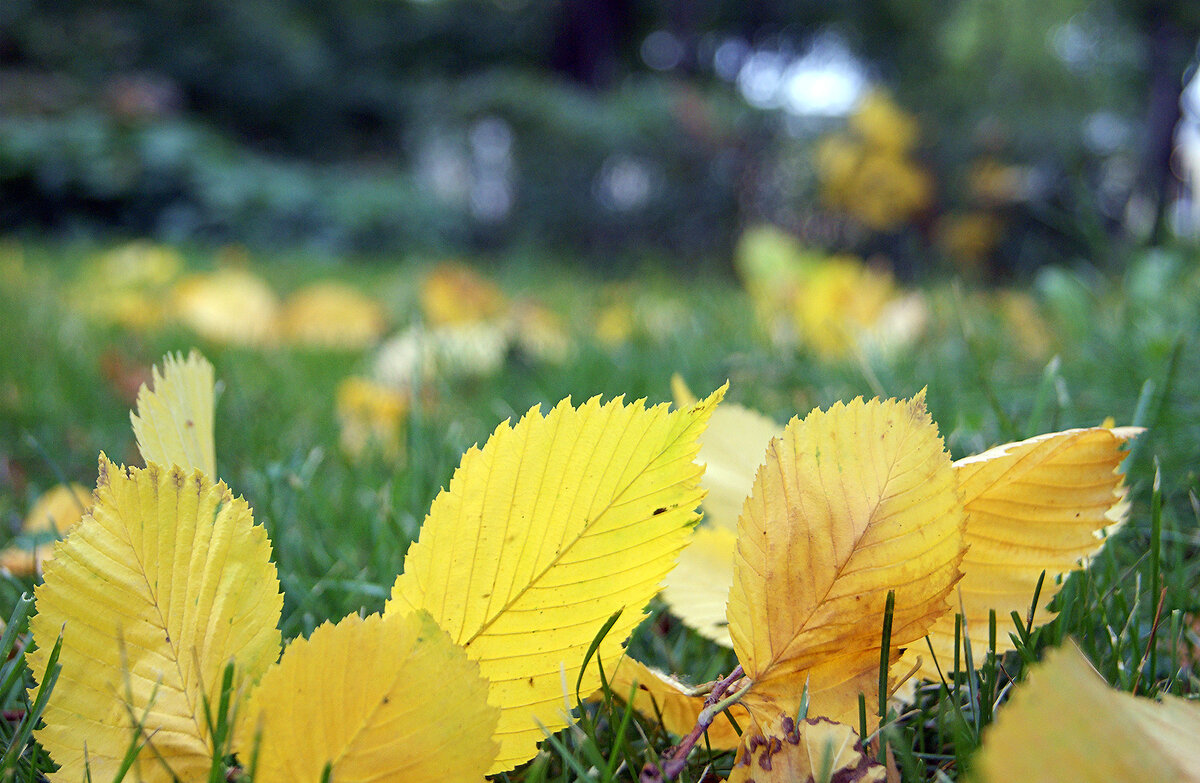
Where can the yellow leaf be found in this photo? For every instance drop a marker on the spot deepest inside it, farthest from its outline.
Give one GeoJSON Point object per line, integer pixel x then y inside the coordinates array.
{"type": "Point", "coordinates": [816, 749]}
{"type": "Point", "coordinates": [455, 294]}
{"type": "Point", "coordinates": [1065, 723]}
{"type": "Point", "coordinates": [850, 504]}
{"type": "Point", "coordinates": [1043, 504]}
{"type": "Point", "coordinates": [154, 592]}
{"type": "Point", "coordinates": [230, 305]}
{"type": "Point", "coordinates": [731, 449]}
{"type": "Point", "coordinates": [333, 315]}
{"type": "Point", "coordinates": [174, 422]}
{"type": "Point", "coordinates": [698, 589]}
{"type": "Point", "coordinates": [57, 511]}
{"type": "Point", "coordinates": [660, 696]}
{"type": "Point", "coordinates": [544, 533]}
{"type": "Point", "coordinates": [371, 415]}
{"type": "Point", "coordinates": [381, 698]}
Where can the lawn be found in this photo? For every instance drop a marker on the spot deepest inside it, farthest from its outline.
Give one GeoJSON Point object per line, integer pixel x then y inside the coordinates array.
{"type": "Point", "coordinates": [1068, 349]}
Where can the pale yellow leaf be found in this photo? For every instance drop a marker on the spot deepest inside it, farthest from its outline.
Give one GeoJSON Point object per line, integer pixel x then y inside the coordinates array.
{"type": "Point", "coordinates": [174, 421]}
{"type": "Point", "coordinates": [154, 592]}
{"type": "Point", "coordinates": [659, 696]}
{"type": "Point", "coordinates": [544, 533]}
{"type": "Point", "coordinates": [1043, 504]}
{"type": "Point", "coordinates": [697, 590]}
{"type": "Point", "coordinates": [816, 749]}
{"type": "Point", "coordinates": [731, 449]}
{"type": "Point", "coordinates": [1065, 723]}
{"type": "Point", "coordinates": [381, 698]}
{"type": "Point", "coordinates": [851, 503]}
{"type": "Point", "coordinates": [230, 305]}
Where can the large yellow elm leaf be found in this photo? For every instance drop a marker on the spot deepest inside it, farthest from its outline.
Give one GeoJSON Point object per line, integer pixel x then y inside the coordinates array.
{"type": "Point", "coordinates": [544, 533]}
{"type": "Point", "coordinates": [381, 698]}
{"type": "Point", "coordinates": [1043, 504]}
{"type": "Point", "coordinates": [807, 751]}
{"type": "Point", "coordinates": [174, 422]}
{"type": "Point", "coordinates": [697, 590]}
{"type": "Point", "coordinates": [851, 503]}
{"type": "Point", "coordinates": [659, 696]}
{"type": "Point", "coordinates": [163, 583]}
{"type": "Point", "coordinates": [1065, 723]}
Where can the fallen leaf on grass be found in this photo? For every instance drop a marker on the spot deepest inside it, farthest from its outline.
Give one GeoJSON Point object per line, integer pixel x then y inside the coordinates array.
{"type": "Point", "coordinates": [1046, 503]}
{"type": "Point", "coordinates": [174, 420]}
{"type": "Point", "coordinates": [1065, 723]}
{"type": "Point", "coordinates": [1043, 504]}
{"type": "Point", "coordinates": [550, 528]}
{"type": "Point", "coordinates": [380, 698]}
{"type": "Point", "coordinates": [851, 503]}
{"type": "Point", "coordinates": [166, 581]}
{"type": "Point", "coordinates": [331, 315]}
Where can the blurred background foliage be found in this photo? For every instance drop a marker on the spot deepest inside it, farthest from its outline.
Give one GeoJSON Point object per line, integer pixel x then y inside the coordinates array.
{"type": "Point", "coordinates": [989, 137]}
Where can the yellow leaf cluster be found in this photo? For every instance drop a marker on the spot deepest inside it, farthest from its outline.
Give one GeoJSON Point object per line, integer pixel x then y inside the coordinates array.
{"type": "Point", "coordinates": [861, 500]}
{"type": "Point", "coordinates": [870, 172]}
{"type": "Point", "coordinates": [834, 305]}
{"type": "Point", "coordinates": [555, 525]}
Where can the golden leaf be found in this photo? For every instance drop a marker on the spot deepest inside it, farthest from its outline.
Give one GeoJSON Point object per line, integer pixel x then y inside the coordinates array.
{"type": "Point", "coordinates": [455, 293]}
{"type": "Point", "coordinates": [850, 504]}
{"type": "Point", "coordinates": [1065, 723]}
{"type": "Point", "coordinates": [807, 751]}
{"type": "Point", "coordinates": [154, 592]}
{"type": "Point", "coordinates": [1043, 504]}
{"type": "Point", "coordinates": [544, 533]}
{"type": "Point", "coordinates": [174, 422]}
{"type": "Point", "coordinates": [381, 698]}
{"type": "Point", "coordinates": [659, 696]}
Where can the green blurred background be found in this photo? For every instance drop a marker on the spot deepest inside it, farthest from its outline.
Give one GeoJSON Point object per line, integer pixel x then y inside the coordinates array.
{"type": "Point", "coordinates": [608, 131]}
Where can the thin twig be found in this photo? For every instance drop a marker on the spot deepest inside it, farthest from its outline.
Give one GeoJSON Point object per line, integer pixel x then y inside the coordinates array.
{"type": "Point", "coordinates": [675, 759]}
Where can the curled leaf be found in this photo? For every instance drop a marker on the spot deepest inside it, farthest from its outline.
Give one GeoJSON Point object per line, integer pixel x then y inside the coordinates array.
{"type": "Point", "coordinates": [659, 696]}
{"type": "Point", "coordinates": [1043, 504]}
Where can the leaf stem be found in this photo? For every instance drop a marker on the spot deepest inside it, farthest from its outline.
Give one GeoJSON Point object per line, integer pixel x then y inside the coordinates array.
{"type": "Point", "coordinates": [675, 759]}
